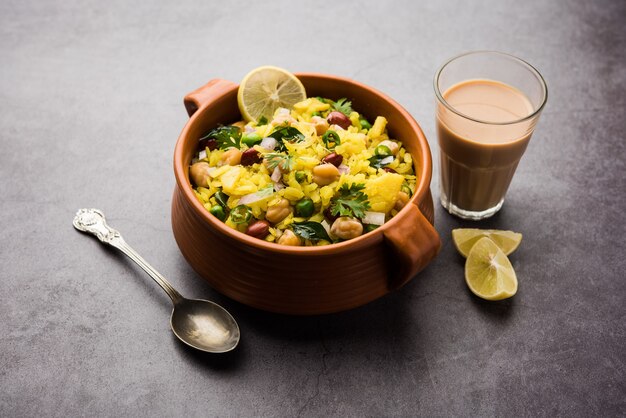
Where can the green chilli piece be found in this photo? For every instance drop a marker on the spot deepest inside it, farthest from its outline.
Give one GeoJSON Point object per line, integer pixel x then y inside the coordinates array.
{"type": "Point", "coordinates": [218, 212]}
{"type": "Point", "coordinates": [382, 151]}
{"type": "Point", "coordinates": [406, 189]}
{"type": "Point", "coordinates": [240, 214]}
{"type": "Point", "coordinates": [251, 139]}
{"type": "Point", "coordinates": [331, 137]}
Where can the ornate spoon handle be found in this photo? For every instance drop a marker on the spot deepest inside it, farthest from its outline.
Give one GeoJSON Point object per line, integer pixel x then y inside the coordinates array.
{"type": "Point", "coordinates": [93, 222]}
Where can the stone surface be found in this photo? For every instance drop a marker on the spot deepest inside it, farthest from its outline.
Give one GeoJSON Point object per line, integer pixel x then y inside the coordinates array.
{"type": "Point", "coordinates": [90, 108]}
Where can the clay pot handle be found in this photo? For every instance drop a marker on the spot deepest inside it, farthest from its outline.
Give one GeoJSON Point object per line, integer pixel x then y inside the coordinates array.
{"type": "Point", "coordinates": [412, 243]}
{"type": "Point", "coordinates": [199, 97]}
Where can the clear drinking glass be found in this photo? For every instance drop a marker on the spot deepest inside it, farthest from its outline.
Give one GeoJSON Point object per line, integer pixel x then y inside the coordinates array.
{"type": "Point", "coordinates": [488, 104]}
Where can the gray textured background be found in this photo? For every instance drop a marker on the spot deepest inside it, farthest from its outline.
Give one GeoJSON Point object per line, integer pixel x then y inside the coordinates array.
{"type": "Point", "coordinates": [90, 108]}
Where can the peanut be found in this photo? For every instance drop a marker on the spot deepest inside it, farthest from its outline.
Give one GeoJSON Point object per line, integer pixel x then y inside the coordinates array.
{"type": "Point", "coordinates": [338, 118]}
{"type": "Point", "coordinates": [258, 229]}
{"type": "Point", "coordinates": [278, 212]}
{"type": "Point", "coordinates": [289, 238]}
{"type": "Point", "coordinates": [334, 159]}
{"type": "Point", "coordinates": [346, 228]}
{"type": "Point", "coordinates": [250, 156]}
{"type": "Point", "coordinates": [325, 174]}
{"type": "Point", "coordinates": [320, 124]}
{"type": "Point", "coordinates": [231, 157]}
{"type": "Point", "coordinates": [401, 200]}
{"type": "Point", "coordinates": [199, 173]}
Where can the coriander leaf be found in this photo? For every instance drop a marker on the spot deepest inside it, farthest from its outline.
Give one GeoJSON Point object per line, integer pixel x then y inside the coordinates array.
{"type": "Point", "coordinates": [380, 161]}
{"type": "Point", "coordinates": [350, 202]}
{"type": "Point", "coordinates": [286, 133]}
{"type": "Point", "coordinates": [310, 230]}
{"type": "Point", "coordinates": [282, 161]}
{"type": "Point", "coordinates": [344, 106]}
{"type": "Point", "coordinates": [225, 136]}
{"type": "Point", "coordinates": [262, 121]}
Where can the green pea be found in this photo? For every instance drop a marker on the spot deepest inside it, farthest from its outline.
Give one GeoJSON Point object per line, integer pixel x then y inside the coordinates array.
{"type": "Point", "coordinates": [218, 212]}
{"type": "Point", "coordinates": [382, 151]}
{"type": "Point", "coordinates": [305, 208]}
{"type": "Point", "coordinates": [369, 227]}
{"type": "Point", "coordinates": [251, 139]}
{"type": "Point", "coordinates": [365, 124]}
{"type": "Point", "coordinates": [300, 176]}
{"type": "Point", "coordinates": [222, 199]}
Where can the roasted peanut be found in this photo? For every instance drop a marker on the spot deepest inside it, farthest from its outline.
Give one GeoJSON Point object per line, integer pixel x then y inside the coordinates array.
{"type": "Point", "coordinates": [401, 200]}
{"type": "Point", "coordinates": [346, 228]}
{"type": "Point", "coordinates": [199, 173]}
{"type": "Point", "coordinates": [278, 212]}
{"type": "Point", "coordinates": [258, 229]}
{"type": "Point", "coordinates": [393, 147]}
{"type": "Point", "coordinates": [241, 125]}
{"type": "Point", "coordinates": [231, 157]}
{"type": "Point", "coordinates": [209, 143]}
{"type": "Point", "coordinates": [289, 238]}
{"type": "Point", "coordinates": [338, 118]}
{"type": "Point", "coordinates": [334, 159]}
{"type": "Point", "coordinates": [320, 124]}
{"type": "Point", "coordinates": [325, 174]}
{"type": "Point", "coordinates": [250, 156]}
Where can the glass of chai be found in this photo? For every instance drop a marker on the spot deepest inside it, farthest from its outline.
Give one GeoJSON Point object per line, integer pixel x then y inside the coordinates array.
{"type": "Point", "coordinates": [488, 104]}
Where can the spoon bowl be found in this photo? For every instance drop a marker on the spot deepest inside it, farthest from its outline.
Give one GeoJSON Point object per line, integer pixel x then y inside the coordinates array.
{"type": "Point", "coordinates": [199, 323]}
{"type": "Point", "coordinates": [204, 325]}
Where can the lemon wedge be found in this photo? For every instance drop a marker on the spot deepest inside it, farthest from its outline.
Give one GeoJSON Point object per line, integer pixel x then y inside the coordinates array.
{"type": "Point", "coordinates": [265, 89]}
{"type": "Point", "coordinates": [488, 271]}
{"type": "Point", "coordinates": [465, 238]}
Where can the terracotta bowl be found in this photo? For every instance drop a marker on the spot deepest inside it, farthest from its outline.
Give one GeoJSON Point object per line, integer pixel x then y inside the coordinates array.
{"type": "Point", "coordinates": [304, 280]}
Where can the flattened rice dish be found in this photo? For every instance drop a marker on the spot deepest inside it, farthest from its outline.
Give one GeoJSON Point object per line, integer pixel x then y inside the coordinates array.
{"type": "Point", "coordinates": [315, 174]}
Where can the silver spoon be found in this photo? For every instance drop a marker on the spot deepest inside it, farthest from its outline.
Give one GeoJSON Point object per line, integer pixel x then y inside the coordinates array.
{"type": "Point", "coordinates": [198, 323]}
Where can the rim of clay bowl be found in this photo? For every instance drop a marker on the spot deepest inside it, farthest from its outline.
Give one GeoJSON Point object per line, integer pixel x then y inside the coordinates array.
{"type": "Point", "coordinates": [421, 188]}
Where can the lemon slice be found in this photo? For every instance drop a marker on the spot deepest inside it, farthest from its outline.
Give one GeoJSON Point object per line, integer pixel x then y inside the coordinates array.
{"type": "Point", "coordinates": [465, 238]}
{"type": "Point", "coordinates": [265, 89]}
{"type": "Point", "coordinates": [488, 272]}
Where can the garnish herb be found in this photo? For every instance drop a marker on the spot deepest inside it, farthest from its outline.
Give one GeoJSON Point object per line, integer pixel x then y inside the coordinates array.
{"type": "Point", "coordinates": [262, 121]}
{"type": "Point", "coordinates": [331, 139]}
{"type": "Point", "coordinates": [350, 202]}
{"type": "Point", "coordinates": [377, 161]}
{"type": "Point", "coordinates": [286, 133]}
{"type": "Point", "coordinates": [310, 230]}
{"type": "Point", "coordinates": [283, 161]}
{"type": "Point", "coordinates": [225, 136]}
{"type": "Point", "coordinates": [343, 105]}
{"type": "Point", "coordinates": [240, 214]}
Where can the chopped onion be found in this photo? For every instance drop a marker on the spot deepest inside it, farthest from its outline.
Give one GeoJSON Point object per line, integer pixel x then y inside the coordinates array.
{"type": "Point", "coordinates": [255, 197]}
{"type": "Point", "coordinates": [326, 226]}
{"type": "Point", "coordinates": [343, 169]}
{"type": "Point", "coordinates": [202, 154]}
{"type": "Point", "coordinates": [279, 186]}
{"type": "Point", "coordinates": [249, 129]}
{"type": "Point", "coordinates": [283, 111]}
{"type": "Point", "coordinates": [269, 143]}
{"type": "Point", "coordinates": [277, 175]}
{"type": "Point", "coordinates": [387, 160]}
{"type": "Point", "coordinates": [374, 218]}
